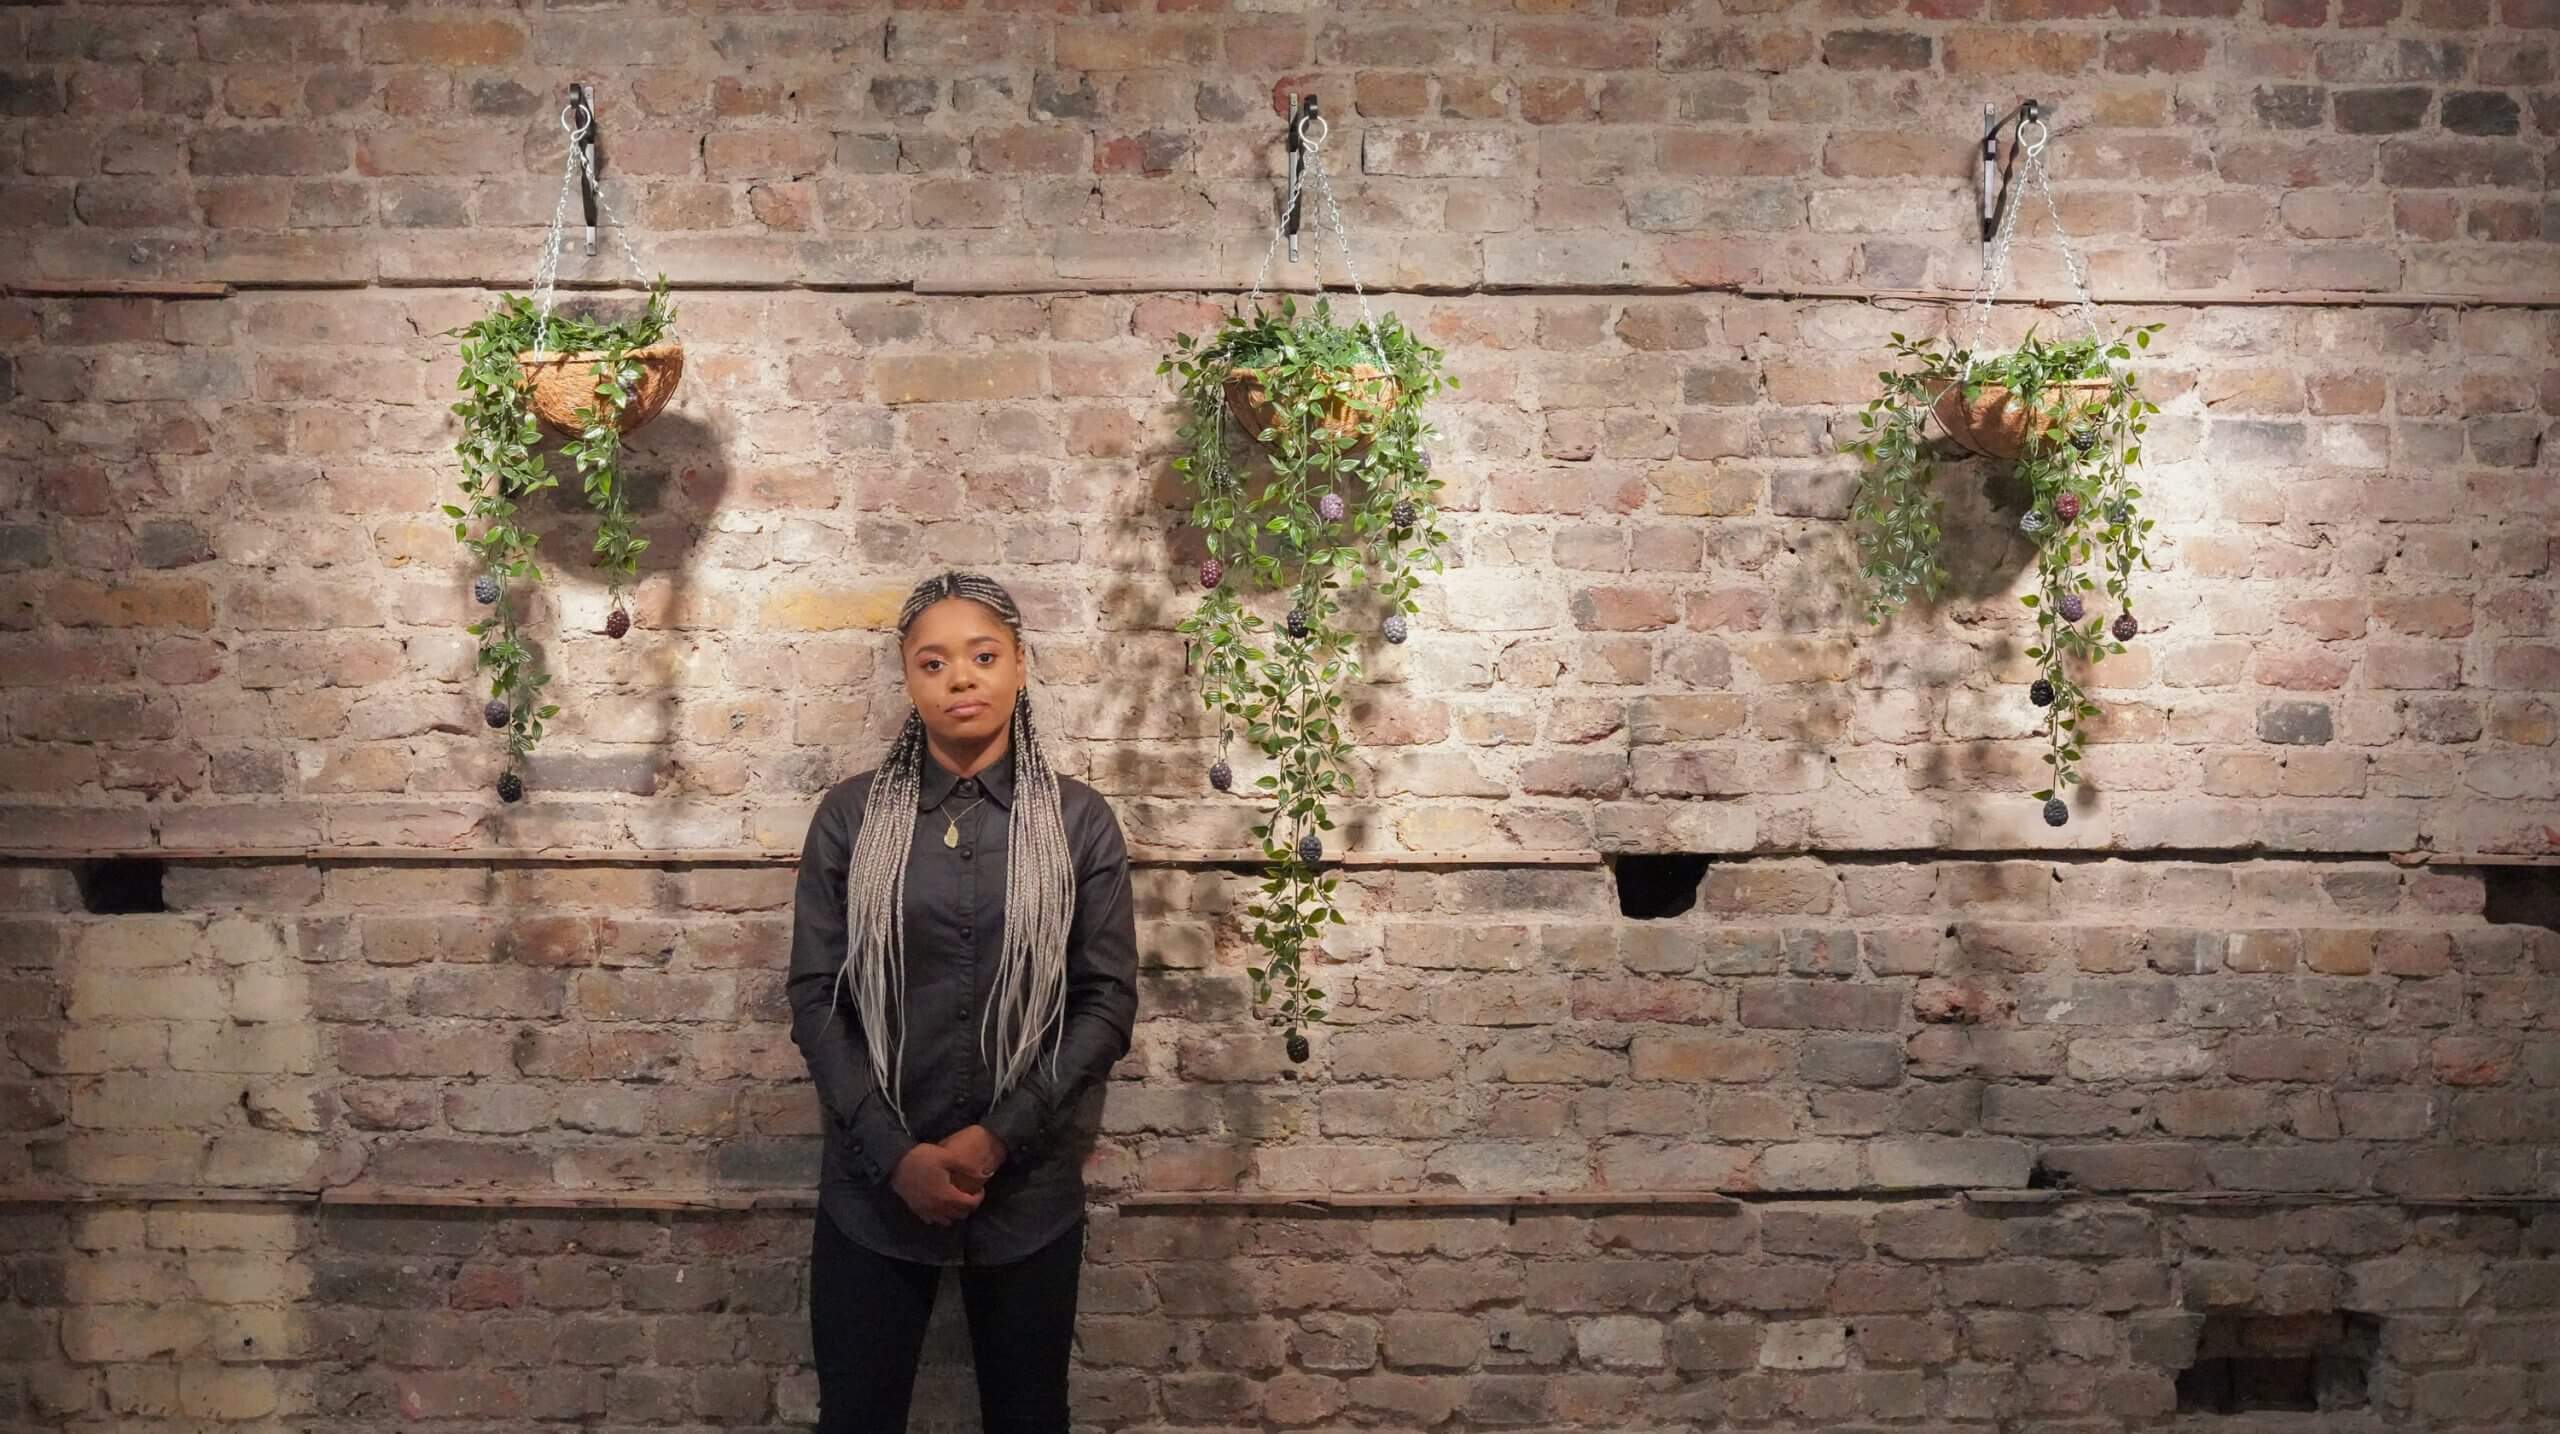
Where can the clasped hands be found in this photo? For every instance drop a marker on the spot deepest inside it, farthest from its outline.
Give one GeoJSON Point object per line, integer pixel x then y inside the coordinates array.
{"type": "Point", "coordinates": [943, 1181]}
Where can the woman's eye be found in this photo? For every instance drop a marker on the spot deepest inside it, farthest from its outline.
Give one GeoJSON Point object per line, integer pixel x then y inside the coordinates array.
{"type": "Point", "coordinates": [933, 664]}
{"type": "Point", "coordinates": [986, 659]}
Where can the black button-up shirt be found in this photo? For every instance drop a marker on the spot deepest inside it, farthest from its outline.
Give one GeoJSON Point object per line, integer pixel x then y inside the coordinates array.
{"type": "Point", "coordinates": [955, 907]}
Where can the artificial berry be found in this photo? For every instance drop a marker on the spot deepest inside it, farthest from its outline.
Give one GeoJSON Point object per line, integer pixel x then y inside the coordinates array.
{"type": "Point", "coordinates": [616, 623]}
{"type": "Point", "coordinates": [1396, 631]}
{"type": "Point", "coordinates": [2071, 607]}
{"type": "Point", "coordinates": [1212, 572]}
{"type": "Point", "coordinates": [2055, 813]}
{"type": "Point", "coordinates": [2125, 627]}
{"type": "Point", "coordinates": [1329, 507]}
{"type": "Point", "coordinates": [1299, 1050]}
{"type": "Point", "coordinates": [495, 713]}
{"type": "Point", "coordinates": [2040, 692]}
{"type": "Point", "coordinates": [1297, 622]}
{"type": "Point", "coordinates": [2084, 439]}
{"type": "Point", "coordinates": [1406, 514]}
{"type": "Point", "coordinates": [2066, 506]}
{"type": "Point", "coordinates": [484, 589]}
{"type": "Point", "coordinates": [510, 787]}
{"type": "Point", "coordinates": [1311, 848]}
{"type": "Point", "coordinates": [2031, 522]}
{"type": "Point", "coordinates": [1222, 776]}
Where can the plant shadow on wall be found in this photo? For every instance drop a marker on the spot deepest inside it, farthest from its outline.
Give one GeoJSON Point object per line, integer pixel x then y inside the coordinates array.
{"type": "Point", "coordinates": [2062, 420]}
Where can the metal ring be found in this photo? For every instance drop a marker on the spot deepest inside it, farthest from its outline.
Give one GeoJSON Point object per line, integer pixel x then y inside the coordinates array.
{"type": "Point", "coordinates": [2043, 133]}
{"type": "Point", "coordinates": [1315, 140]}
{"type": "Point", "coordinates": [586, 119]}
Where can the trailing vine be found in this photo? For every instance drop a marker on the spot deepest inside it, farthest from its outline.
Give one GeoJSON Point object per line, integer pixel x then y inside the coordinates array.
{"type": "Point", "coordinates": [504, 463]}
{"type": "Point", "coordinates": [2075, 413]}
{"type": "Point", "coordinates": [1331, 492]}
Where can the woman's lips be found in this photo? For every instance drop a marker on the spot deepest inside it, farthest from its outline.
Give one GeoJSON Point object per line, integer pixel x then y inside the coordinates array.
{"type": "Point", "coordinates": [965, 710]}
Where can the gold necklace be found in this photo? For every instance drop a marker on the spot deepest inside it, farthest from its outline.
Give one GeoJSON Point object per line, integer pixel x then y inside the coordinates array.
{"type": "Point", "coordinates": [951, 824]}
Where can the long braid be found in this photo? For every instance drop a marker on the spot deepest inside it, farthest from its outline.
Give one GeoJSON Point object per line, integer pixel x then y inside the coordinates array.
{"type": "Point", "coordinates": [1030, 983]}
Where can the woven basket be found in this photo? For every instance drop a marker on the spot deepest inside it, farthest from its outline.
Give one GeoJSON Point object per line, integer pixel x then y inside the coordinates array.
{"type": "Point", "coordinates": [564, 383]}
{"type": "Point", "coordinates": [1996, 424]}
{"type": "Point", "coordinates": [1251, 403]}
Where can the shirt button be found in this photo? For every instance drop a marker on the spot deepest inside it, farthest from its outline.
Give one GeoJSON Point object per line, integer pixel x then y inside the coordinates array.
{"type": "Point", "coordinates": [967, 786]}
{"type": "Point", "coordinates": [967, 851]}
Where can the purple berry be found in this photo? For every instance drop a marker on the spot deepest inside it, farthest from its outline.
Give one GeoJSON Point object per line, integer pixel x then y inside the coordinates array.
{"type": "Point", "coordinates": [2055, 813]}
{"type": "Point", "coordinates": [484, 589]}
{"type": "Point", "coordinates": [1298, 622]}
{"type": "Point", "coordinates": [616, 623]}
{"type": "Point", "coordinates": [1299, 1050]}
{"type": "Point", "coordinates": [1311, 848]}
{"type": "Point", "coordinates": [2066, 506]}
{"type": "Point", "coordinates": [1222, 776]}
{"type": "Point", "coordinates": [510, 787]}
{"type": "Point", "coordinates": [2040, 692]}
{"type": "Point", "coordinates": [2125, 627]}
{"type": "Point", "coordinates": [1395, 629]}
{"type": "Point", "coordinates": [1406, 515]}
{"type": "Point", "coordinates": [1212, 572]}
{"type": "Point", "coordinates": [2071, 607]}
{"type": "Point", "coordinates": [495, 712]}
{"type": "Point", "coordinates": [1329, 507]}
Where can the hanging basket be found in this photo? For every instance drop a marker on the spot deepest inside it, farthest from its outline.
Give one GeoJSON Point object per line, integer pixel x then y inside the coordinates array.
{"type": "Point", "coordinates": [1250, 402]}
{"type": "Point", "coordinates": [1996, 423]}
{"type": "Point", "coordinates": [561, 384]}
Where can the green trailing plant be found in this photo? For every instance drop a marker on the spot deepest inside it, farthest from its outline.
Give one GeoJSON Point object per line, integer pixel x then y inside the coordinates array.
{"type": "Point", "coordinates": [1331, 493]}
{"type": "Point", "coordinates": [505, 461]}
{"type": "Point", "coordinates": [2075, 416]}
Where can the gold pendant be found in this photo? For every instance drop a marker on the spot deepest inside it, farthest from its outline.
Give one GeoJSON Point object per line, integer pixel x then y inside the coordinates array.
{"type": "Point", "coordinates": [951, 833]}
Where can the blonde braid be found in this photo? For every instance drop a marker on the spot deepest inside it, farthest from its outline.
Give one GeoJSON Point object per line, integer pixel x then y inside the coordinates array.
{"type": "Point", "coordinates": [1030, 983]}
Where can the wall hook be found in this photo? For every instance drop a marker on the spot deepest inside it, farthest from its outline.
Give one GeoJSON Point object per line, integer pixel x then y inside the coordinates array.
{"type": "Point", "coordinates": [1995, 175]}
{"type": "Point", "coordinates": [1301, 113]}
{"type": "Point", "coordinates": [579, 119]}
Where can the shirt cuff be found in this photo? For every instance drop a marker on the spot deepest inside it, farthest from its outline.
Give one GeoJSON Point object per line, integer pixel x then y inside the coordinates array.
{"type": "Point", "coordinates": [880, 1144]}
{"type": "Point", "coordinates": [1016, 1120]}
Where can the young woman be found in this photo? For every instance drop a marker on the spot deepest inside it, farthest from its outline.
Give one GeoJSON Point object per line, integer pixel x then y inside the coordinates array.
{"type": "Point", "coordinates": [963, 976]}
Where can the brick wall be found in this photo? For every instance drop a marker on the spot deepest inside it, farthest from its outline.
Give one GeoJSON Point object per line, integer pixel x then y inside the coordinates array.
{"type": "Point", "coordinates": [2199, 1102]}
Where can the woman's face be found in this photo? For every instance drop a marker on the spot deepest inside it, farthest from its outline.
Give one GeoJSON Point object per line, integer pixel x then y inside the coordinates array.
{"type": "Point", "coordinates": [963, 671]}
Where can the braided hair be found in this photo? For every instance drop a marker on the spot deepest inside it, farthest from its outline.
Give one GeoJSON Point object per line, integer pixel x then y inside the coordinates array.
{"type": "Point", "coordinates": [1039, 894]}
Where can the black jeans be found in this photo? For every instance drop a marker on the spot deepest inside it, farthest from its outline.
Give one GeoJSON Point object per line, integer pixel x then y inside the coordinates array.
{"type": "Point", "coordinates": [867, 1317]}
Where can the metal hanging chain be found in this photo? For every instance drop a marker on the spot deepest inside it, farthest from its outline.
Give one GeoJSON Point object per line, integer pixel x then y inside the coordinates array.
{"type": "Point", "coordinates": [546, 275]}
{"type": "Point", "coordinates": [1995, 264]}
{"type": "Point", "coordinates": [1312, 141]}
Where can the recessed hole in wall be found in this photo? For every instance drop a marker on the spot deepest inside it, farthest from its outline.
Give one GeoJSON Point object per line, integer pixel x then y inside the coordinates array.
{"type": "Point", "coordinates": [121, 885]}
{"type": "Point", "coordinates": [2316, 1361]}
{"type": "Point", "coordinates": [2523, 895]}
{"type": "Point", "coordinates": [1654, 885]}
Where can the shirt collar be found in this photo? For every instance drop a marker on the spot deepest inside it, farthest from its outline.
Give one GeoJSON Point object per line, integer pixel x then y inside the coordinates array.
{"type": "Point", "coordinates": [935, 784]}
